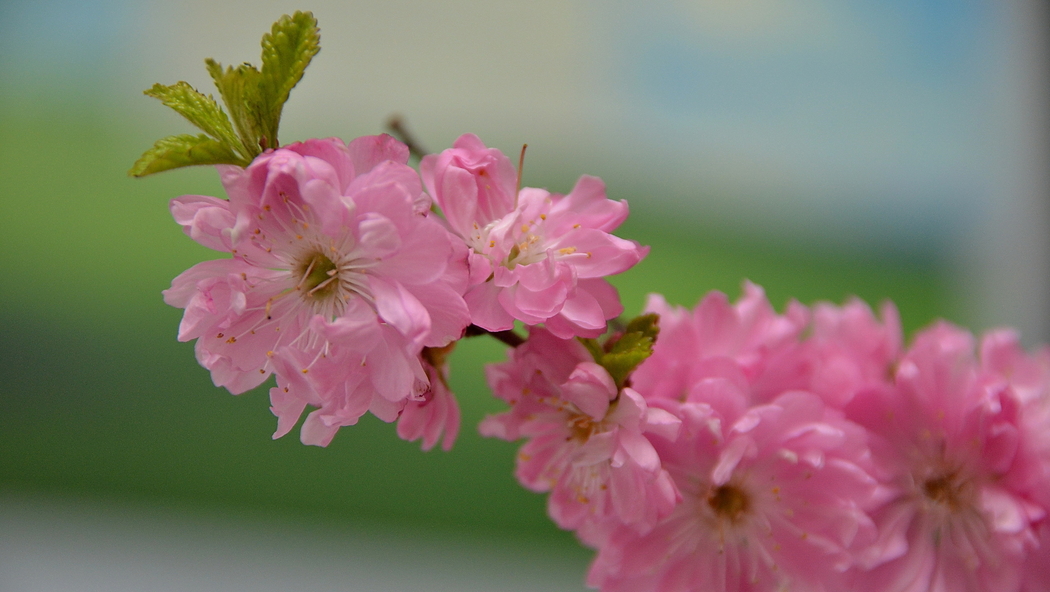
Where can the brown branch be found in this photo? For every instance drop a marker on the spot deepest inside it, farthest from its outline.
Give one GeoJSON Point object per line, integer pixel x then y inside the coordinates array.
{"type": "Point", "coordinates": [396, 125]}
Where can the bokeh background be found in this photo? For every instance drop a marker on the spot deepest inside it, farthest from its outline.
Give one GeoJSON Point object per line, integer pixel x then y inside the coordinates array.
{"type": "Point", "coordinates": [884, 149]}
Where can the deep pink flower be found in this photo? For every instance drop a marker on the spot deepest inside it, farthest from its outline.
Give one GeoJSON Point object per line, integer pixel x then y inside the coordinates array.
{"type": "Point", "coordinates": [338, 279]}
{"type": "Point", "coordinates": [587, 441]}
{"type": "Point", "coordinates": [534, 256]}
{"type": "Point", "coordinates": [773, 499]}
{"type": "Point", "coordinates": [953, 450]}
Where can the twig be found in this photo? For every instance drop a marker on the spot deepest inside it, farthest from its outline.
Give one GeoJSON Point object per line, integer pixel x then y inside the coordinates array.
{"type": "Point", "coordinates": [396, 125]}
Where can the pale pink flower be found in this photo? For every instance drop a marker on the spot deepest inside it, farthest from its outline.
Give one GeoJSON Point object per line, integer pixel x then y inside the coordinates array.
{"type": "Point", "coordinates": [339, 278]}
{"type": "Point", "coordinates": [534, 256]}
{"type": "Point", "coordinates": [773, 498]}
{"type": "Point", "coordinates": [587, 441]}
{"type": "Point", "coordinates": [951, 446]}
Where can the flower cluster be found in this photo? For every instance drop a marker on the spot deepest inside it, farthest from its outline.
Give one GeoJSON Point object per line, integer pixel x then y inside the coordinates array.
{"type": "Point", "coordinates": [727, 448]}
{"type": "Point", "coordinates": [804, 451]}
{"type": "Point", "coordinates": [347, 285]}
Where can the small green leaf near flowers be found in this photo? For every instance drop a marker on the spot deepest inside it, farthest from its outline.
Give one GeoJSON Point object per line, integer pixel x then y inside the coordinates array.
{"type": "Point", "coordinates": [254, 101]}
{"type": "Point", "coordinates": [286, 52]}
{"type": "Point", "coordinates": [622, 353]}
{"type": "Point", "coordinates": [185, 150]}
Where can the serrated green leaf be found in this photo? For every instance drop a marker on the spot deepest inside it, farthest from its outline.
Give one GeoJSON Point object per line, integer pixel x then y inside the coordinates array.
{"type": "Point", "coordinates": [179, 151]}
{"type": "Point", "coordinates": [647, 324]}
{"type": "Point", "coordinates": [287, 50]}
{"type": "Point", "coordinates": [622, 353]}
{"type": "Point", "coordinates": [630, 342]}
{"type": "Point", "coordinates": [199, 109]}
{"type": "Point", "coordinates": [254, 101]}
{"type": "Point", "coordinates": [619, 365]}
{"type": "Point", "coordinates": [239, 88]}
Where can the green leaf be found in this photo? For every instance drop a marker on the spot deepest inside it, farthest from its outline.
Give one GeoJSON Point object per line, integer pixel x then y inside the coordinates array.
{"type": "Point", "coordinates": [178, 151]}
{"type": "Point", "coordinates": [254, 101]}
{"type": "Point", "coordinates": [647, 324]}
{"type": "Point", "coordinates": [622, 353]}
{"type": "Point", "coordinates": [201, 110]}
{"type": "Point", "coordinates": [287, 50]}
{"type": "Point", "coordinates": [239, 88]}
{"type": "Point", "coordinates": [594, 347]}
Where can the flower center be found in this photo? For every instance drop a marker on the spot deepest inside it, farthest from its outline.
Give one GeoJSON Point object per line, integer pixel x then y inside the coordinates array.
{"type": "Point", "coordinates": [582, 427]}
{"type": "Point", "coordinates": [729, 502]}
{"type": "Point", "coordinates": [319, 276]}
{"type": "Point", "coordinates": [945, 490]}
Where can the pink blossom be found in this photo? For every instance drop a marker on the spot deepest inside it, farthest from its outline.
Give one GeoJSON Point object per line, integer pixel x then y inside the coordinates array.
{"type": "Point", "coordinates": [338, 279]}
{"type": "Point", "coordinates": [746, 343]}
{"type": "Point", "coordinates": [435, 414]}
{"type": "Point", "coordinates": [773, 498]}
{"type": "Point", "coordinates": [534, 256]}
{"type": "Point", "coordinates": [951, 443]}
{"type": "Point", "coordinates": [850, 350]}
{"type": "Point", "coordinates": [587, 441]}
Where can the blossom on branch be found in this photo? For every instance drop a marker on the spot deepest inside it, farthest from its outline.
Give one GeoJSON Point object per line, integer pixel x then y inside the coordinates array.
{"type": "Point", "coordinates": [339, 278]}
{"type": "Point", "coordinates": [773, 498]}
{"type": "Point", "coordinates": [587, 441]}
{"type": "Point", "coordinates": [959, 456]}
{"type": "Point", "coordinates": [534, 256]}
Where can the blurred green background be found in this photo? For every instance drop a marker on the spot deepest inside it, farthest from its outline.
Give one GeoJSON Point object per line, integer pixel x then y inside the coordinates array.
{"type": "Point", "coordinates": [99, 402]}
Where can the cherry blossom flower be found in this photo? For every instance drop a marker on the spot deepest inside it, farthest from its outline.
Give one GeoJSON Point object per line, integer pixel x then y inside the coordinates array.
{"type": "Point", "coordinates": [850, 349]}
{"type": "Point", "coordinates": [953, 451]}
{"type": "Point", "coordinates": [435, 414]}
{"type": "Point", "coordinates": [773, 498]}
{"type": "Point", "coordinates": [534, 256]}
{"type": "Point", "coordinates": [747, 343]}
{"type": "Point", "coordinates": [587, 441]}
{"type": "Point", "coordinates": [339, 278]}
